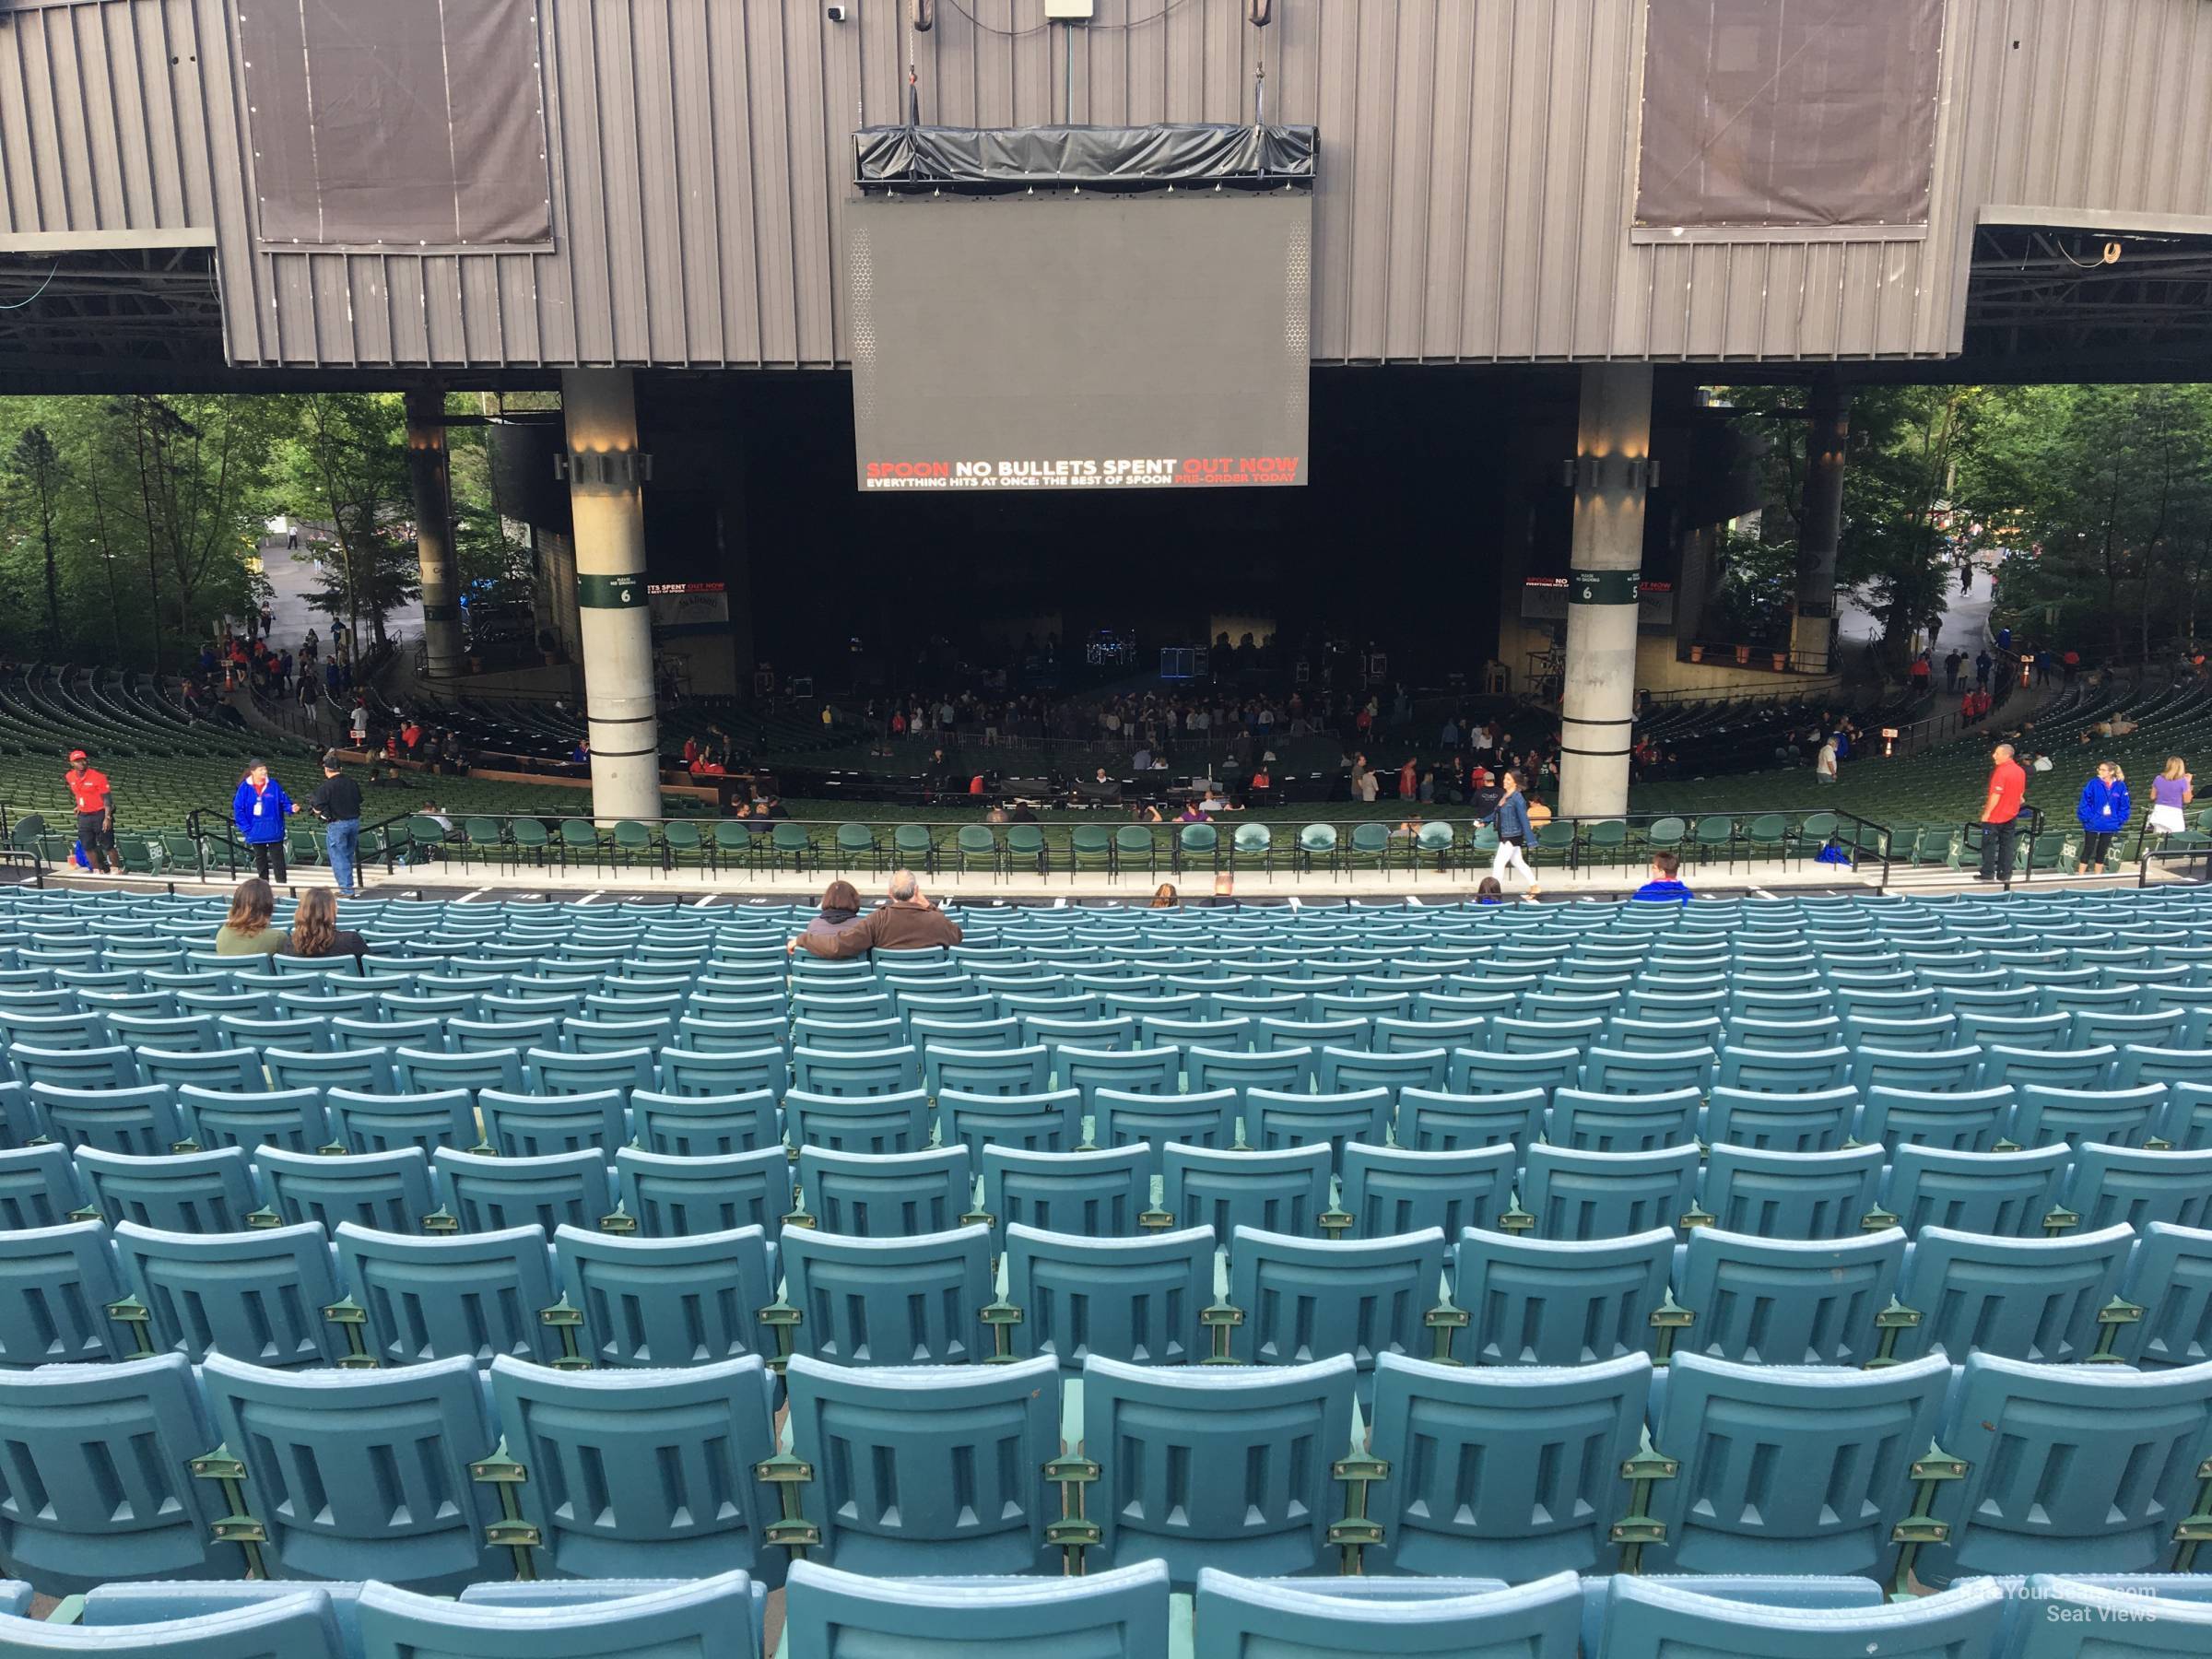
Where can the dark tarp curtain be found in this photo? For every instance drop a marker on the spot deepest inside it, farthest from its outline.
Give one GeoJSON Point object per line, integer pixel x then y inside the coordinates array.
{"type": "Point", "coordinates": [1083, 155]}
{"type": "Point", "coordinates": [404, 121]}
{"type": "Point", "coordinates": [1788, 112]}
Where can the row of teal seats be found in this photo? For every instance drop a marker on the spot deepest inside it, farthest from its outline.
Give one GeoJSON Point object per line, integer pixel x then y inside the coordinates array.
{"type": "Point", "coordinates": [1605, 1100]}
{"type": "Point", "coordinates": [439, 1476]}
{"type": "Point", "coordinates": [1129, 1613]}
{"type": "Point", "coordinates": [1766, 987]}
{"type": "Point", "coordinates": [279, 1296]}
{"type": "Point", "coordinates": [1322, 1163]}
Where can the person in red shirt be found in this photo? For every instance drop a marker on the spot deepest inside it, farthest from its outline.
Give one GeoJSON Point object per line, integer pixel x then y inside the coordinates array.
{"type": "Point", "coordinates": [95, 813]}
{"type": "Point", "coordinates": [2001, 814]}
{"type": "Point", "coordinates": [1407, 783]}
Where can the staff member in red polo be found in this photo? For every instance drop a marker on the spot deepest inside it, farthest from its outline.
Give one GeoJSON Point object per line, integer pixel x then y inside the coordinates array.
{"type": "Point", "coordinates": [95, 812]}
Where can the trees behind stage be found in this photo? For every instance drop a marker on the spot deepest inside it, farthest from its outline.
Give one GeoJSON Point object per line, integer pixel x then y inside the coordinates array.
{"type": "Point", "coordinates": [2096, 500]}
{"type": "Point", "coordinates": [129, 526]}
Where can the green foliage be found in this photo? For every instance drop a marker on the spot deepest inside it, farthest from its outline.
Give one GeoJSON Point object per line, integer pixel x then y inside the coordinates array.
{"type": "Point", "coordinates": [128, 526]}
{"type": "Point", "coordinates": [2099, 498]}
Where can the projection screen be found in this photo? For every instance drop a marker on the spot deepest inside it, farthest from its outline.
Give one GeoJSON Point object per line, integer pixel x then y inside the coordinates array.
{"type": "Point", "coordinates": [1081, 341]}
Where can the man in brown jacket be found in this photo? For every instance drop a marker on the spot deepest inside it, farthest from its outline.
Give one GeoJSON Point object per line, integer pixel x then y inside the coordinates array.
{"type": "Point", "coordinates": [909, 921]}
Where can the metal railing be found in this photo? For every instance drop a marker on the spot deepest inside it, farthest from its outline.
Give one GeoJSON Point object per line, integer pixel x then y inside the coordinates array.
{"type": "Point", "coordinates": [1074, 847]}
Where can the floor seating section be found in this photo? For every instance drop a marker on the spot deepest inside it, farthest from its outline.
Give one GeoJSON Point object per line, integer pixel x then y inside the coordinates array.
{"type": "Point", "coordinates": [1388, 1273]}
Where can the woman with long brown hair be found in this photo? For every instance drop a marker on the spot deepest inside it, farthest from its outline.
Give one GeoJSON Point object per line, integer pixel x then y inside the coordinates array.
{"type": "Point", "coordinates": [316, 930]}
{"type": "Point", "coordinates": [246, 930]}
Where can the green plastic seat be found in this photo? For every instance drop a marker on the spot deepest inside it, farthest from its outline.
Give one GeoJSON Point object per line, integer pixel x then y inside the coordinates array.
{"type": "Point", "coordinates": [856, 844]}
{"type": "Point", "coordinates": [1026, 849]}
{"type": "Point", "coordinates": [1197, 844]}
{"type": "Point", "coordinates": [1318, 841]}
{"type": "Point", "coordinates": [630, 839]}
{"type": "Point", "coordinates": [1133, 848]}
{"type": "Point", "coordinates": [788, 840]}
{"type": "Point", "coordinates": [915, 846]}
{"type": "Point", "coordinates": [977, 847]}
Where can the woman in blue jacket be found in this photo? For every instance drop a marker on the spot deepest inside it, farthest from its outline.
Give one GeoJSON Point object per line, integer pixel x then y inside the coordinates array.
{"type": "Point", "coordinates": [2104, 813]}
{"type": "Point", "coordinates": [259, 809]}
{"type": "Point", "coordinates": [1514, 833]}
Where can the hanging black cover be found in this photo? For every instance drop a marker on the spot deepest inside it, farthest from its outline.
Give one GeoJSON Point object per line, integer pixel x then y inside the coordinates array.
{"type": "Point", "coordinates": [1107, 157]}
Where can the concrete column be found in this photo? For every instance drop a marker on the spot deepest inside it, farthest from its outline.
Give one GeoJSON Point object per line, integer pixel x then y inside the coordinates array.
{"type": "Point", "coordinates": [429, 470]}
{"type": "Point", "coordinates": [1820, 521]}
{"type": "Point", "coordinates": [1612, 465]}
{"type": "Point", "coordinates": [606, 501]}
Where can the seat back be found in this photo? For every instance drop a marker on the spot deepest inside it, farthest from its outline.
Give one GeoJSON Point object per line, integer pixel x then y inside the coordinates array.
{"type": "Point", "coordinates": [708, 1125]}
{"type": "Point", "coordinates": [667, 1303]}
{"type": "Point", "coordinates": [366, 1123]}
{"type": "Point", "coordinates": [290, 1119]}
{"type": "Point", "coordinates": [1089, 1195]}
{"type": "Point", "coordinates": [542, 1126]}
{"type": "Point", "coordinates": [1031, 1122]}
{"type": "Point", "coordinates": [1971, 1119]}
{"type": "Point", "coordinates": [55, 1287]}
{"type": "Point", "coordinates": [137, 1122]}
{"type": "Point", "coordinates": [2005, 1193]}
{"type": "Point", "coordinates": [1550, 1445]}
{"type": "Point", "coordinates": [472, 1295]}
{"type": "Point", "coordinates": [38, 1186]}
{"type": "Point", "coordinates": [881, 1444]}
{"type": "Point", "coordinates": [267, 1621]}
{"type": "Point", "coordinates": [257, 1296]}
{"type": "Point", "coordinates": [2116, 1117]}
{"type": "Point", "coordinates": [1282, 1192]}
{"type": "Point", "coordinates": [2067, 1464]}
{"type": "Point", "coordinates": [1431, 1121]}
{"type": "Point", "coordinates": [109, 1448]}
{"type": "Point", "coordinates": [1306, 1298]}
{"type": "Point", "coordinates": [185, 1192]}
{"type": "Point", "coordinates": [889, 1301]}
{"type": "Point", "coordinates": [897, 1195]}
{"type": "Point", "coordinates": [1204, 1118]}
{"type": "Point", "coordinates": [1276, 1121]}
{"type": "Point", "coordinates": [1388, 1190]}
{"type": "Point", "coordinates": [1118, 1615]}
{"type": "Point", "coordinates": [641, 1474]}
{"type": "Point", "coordinates": [2111, 1185]}
{"type": "Point", "coordinates": [1225, 1467]}
{"type": "Point", "coordinates": [1814, 1120]}
{"type": "Point", "coordinates": [363, 1474]}
{"type": "Point", "coordinates": [1622, 1123]}
{"type": "Point", "coordinates": [1787, 1301]}
{"type": "Point", "coordinates": [877, 1070]}
{"type": "Point", "coordinates": [1656, 1619]}
{"type": "Point", "coordinates": [1136, 1299]}
{"type": "Point", "coordinates": [486, 1193]}
{"type": "Point", "coordinates": [700, 1618]}
{"type": "Point", "coordinates": [2025, 1298]}
{"type": "Point", "coordinates": [1560, 1302]}
{"type": "Point", "coordinates": [679, 1197]}
{"type": "Point", "coordinates": [1607, 1195]}
{"type": "Point", "coordinates": [875, 1123]}
{"type": "Point", "coordinates": [2169, 1278]}
{"type": "Point", "coordinates": [1007, 1071]}
{"type": "Point", "coordinates": [1791, 1194]}
{"type": "Point", "coordinates": [387, 1192]}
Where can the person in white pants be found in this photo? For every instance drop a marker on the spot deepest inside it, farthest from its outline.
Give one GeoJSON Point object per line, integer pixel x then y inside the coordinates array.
{"type": "Point", "coordinates": [1514, 833]}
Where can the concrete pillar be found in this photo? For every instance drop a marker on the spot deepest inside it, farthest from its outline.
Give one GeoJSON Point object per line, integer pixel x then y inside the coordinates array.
{"type": "Point", "coordinates": [431, 475]}
{"type": "Point", "coordinates": [1820, 521]}
{"type": "Point", "coordinates": [606, 501]}
{"type": "Point", "coordinates": [1611, 468]}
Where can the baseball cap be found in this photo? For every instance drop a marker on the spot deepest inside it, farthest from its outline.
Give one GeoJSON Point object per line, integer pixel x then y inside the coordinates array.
{"type": "Point", "coordinates": [79, 755]}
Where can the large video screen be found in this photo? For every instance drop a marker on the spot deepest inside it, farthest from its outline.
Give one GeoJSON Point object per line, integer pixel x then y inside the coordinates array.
{"type": "Point", "coordinates": [1081, 341]}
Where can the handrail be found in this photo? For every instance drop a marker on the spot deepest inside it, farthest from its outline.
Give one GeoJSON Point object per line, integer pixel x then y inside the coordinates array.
{"type": "Point", "coordinates": [821, 844]}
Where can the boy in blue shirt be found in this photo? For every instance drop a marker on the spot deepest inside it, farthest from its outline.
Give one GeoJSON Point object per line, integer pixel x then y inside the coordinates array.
{"type": "Point", "coordinates": [1663, 886]}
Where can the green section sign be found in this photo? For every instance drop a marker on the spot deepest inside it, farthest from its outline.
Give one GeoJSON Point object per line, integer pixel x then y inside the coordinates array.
{"type": "Point", "coordinates": [611, 592]}
{"type": "Point", "coordinates": [1602, 587]}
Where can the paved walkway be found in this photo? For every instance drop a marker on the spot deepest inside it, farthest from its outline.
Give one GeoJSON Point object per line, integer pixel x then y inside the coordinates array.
{"type": "Point", "coordinates": [294, 576]}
